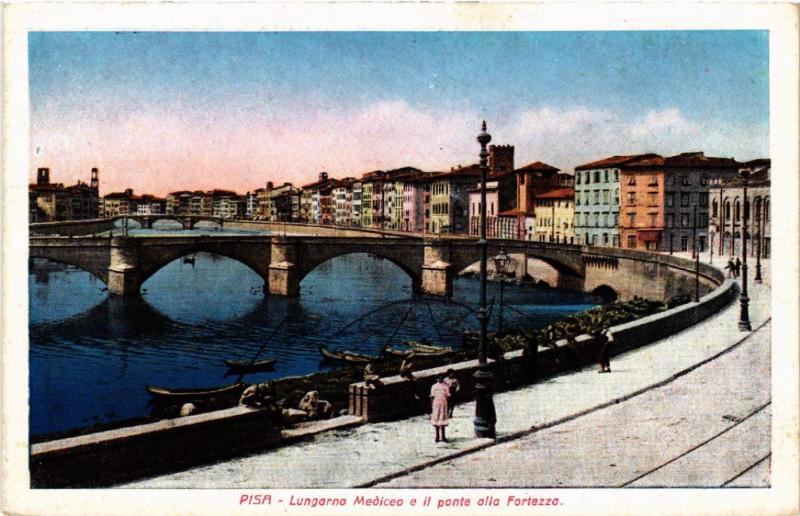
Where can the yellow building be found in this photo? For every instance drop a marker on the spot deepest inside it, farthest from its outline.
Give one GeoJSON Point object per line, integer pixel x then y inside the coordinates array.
{"type": "Point", "coordinates": [554, 215]}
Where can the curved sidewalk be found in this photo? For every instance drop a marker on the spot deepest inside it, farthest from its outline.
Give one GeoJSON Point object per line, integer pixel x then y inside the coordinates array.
{"type": "Point", "coordinates": [371, 454]}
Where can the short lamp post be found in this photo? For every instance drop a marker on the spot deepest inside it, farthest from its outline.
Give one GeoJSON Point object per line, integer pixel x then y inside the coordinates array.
{"type": "Point", "coordinates": [501, 262]}
{"type": "Point", "coordinates": [744, 301]}
{"type": "Point", "coordinates": [485, 415]}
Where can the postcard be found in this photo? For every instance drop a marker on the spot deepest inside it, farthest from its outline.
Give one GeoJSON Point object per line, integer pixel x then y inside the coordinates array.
{"type": "Point", "coordinates": [400, 258]}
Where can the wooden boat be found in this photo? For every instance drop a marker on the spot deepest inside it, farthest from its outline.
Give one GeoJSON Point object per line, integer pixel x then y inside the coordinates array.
{"type": "Point", "coordinates": [388, 350]}
{"type": "Point", "coordinates": [183, 395]}
{"type": "Point", "coordinates": [348, 356]}
{"type": "Point", "coordinates": [246, 365]}
{"type": "Point", "coordinates": [418, 347]}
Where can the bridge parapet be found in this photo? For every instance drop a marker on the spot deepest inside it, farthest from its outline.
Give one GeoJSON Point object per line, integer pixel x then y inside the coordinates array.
{"type": "Point", "coordinates": [124, 263]}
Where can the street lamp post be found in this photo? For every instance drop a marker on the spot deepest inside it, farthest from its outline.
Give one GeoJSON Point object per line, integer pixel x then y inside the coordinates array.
{"type": "Point", "coordinates": [744, 301]}
{"type": "Point", "coordinates": [696, 259]}
{"type": "Point", "coordinates": [485, 416]}
{"type": "Point", "coordinates": [758, 279]}
{"type": "Point", "coordinates": [501, 262]}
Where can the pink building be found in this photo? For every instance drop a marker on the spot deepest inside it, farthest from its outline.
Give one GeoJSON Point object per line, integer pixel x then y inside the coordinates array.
{"type": "Point", "coordinates": [492, 211]}
{"type": "Point", "coordinates": [415, 190]}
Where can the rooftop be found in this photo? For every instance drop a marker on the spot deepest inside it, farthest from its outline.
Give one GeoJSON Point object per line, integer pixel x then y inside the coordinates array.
{"type": "Point", "coordinates": [557, 193]}
{"type": "Point", "coordinates": [538, 165]}
{"type": "Point", "coordinates": [614, 161]}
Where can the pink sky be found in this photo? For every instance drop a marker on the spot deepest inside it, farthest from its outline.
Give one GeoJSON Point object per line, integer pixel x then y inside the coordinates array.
{"type": "Point", "coordinates": [162, 152]}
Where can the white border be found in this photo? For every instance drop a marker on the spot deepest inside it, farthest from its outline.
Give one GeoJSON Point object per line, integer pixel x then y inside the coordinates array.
{"type": "Point", "coordinates": [779, 19]}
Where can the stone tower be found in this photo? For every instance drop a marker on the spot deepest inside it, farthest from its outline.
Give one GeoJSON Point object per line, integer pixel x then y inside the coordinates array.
{"type": "Point", "coordinates": [95, 182]}
{"type": "Point", "coordinates": [43, 176]}
{"type": "Point", "coordinates": [501, 158]}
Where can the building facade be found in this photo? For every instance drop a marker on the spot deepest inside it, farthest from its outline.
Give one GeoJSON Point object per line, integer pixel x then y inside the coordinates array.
{"type": "Point", "coordinates": [450, 199]}
{"type": "Point", "coordinates": [554, 216]}
{"type": "Point", "coordinates": [597, 200]}
{"type": "Point", "coordinates": [52, 201]}
{"type": "Point", "coordinates": [665, 201]}
{"type": "Point", "coordinates": [729, 209]}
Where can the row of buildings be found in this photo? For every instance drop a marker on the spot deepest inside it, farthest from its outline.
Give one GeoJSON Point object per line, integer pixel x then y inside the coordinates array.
{"type": "Point", "coordinates": [643, 201]}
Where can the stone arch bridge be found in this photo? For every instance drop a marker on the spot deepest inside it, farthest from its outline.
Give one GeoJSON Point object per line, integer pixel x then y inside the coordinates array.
{"type": "Point", "coordinates": [125, 263]}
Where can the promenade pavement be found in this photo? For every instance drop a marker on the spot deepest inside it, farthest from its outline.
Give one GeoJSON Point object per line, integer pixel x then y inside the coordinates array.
{"type": "Point", "coordinates": [581, 404]}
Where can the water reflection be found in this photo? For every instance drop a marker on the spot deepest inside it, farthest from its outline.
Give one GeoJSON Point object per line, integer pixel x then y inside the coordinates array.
{"type": "Point", "coordinates": [91, 355]}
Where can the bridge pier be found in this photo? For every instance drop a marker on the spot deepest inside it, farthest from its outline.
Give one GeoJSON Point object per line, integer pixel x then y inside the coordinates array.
{"type": "Point", "coordinates": [123, 268]}
{"type": "Point", "coordinates": [284, 275]}
{"type": "Point", "coordinates": [437, 272]}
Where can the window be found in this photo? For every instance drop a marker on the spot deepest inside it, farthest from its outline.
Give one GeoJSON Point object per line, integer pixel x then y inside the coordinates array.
{"type": "Point", "coordinates": [616, 175]}
{"type": "Point", "coordinates": [578, 178]}
{"type": "Point", "coordinates": [727, 210]}
{"type": "Point", "coordinates": [736, 213]}
{"type": "Point", "coordinates": [670, 220]}
{"type": "Point", "coordinates": [605, 176]}
{"type": "Point", "coordinates": [704, 181]}
{"type": "Point", "coordinates": [632, 241]}
{"type": "Point", "coordinates": [684, 199]}
{"type": "Point", "coordinates": [652, 198]}
{"type": "Point", "coordinates": [631, 219]}
{"type": "Point", "coordinates": [596, 177]}
{"type": "Point", "coordinates": [605, 238]}
{"type": "Point", "coordinates": [670, 199]}
{"type": "Point", "coordinates": [704, 199]}
{"type": "Point", "coordinates": [684, 220]}
{"type": "Point", "coordinates": [653, 217]}
{"type": "Point", "coordinates": [653, 181]}
{"type": "Point", "coordinates": [616, 196]}
{"type": "Point", "coordinates": [631, 197]}
{"type": "Point", "coordinates": [703, 220]}
{"type": "Point", "coordinates": [615, 219]}
{"type": "Point", "coordinates": [714, 208]}
{"type": "Point", "coordinates": [684, 243]}
{"type": "Point", "coordinates": [766, 210]}
{"type": "Point", "coordinates": [632, 181]}
{"type": "Point", "coordinates": [605, 196]}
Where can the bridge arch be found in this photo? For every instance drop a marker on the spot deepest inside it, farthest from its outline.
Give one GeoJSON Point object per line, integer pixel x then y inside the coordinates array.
{"type": "Point", "coordinates": [152, 261]}
{"type": "Point", "coordinates": [96, 267]}
{"type": "Point", "coordinates": [319, 258]}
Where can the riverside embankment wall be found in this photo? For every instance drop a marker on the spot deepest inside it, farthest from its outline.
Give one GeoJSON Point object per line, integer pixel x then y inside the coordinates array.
{"type": "Point", "coordinates": [398, 398]}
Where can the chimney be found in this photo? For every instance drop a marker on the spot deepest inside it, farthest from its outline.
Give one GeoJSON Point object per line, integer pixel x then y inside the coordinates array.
{"type": "Point", "coordinates": [43, 176]}
{"type": "Point", "coordinates": [269, 185]}
{"type": "Point", "coordinates": [323, 176]}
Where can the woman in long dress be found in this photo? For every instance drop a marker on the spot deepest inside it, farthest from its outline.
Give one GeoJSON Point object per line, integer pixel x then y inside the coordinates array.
{"type": "Point", "coordinates": [439, 394]}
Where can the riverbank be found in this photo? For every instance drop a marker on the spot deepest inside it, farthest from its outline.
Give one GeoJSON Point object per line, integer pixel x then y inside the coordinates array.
{"type": "Point", "coordinates": [371, 454]}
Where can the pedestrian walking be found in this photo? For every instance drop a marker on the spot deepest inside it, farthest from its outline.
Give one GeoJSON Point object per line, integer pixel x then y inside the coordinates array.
{"type": "Point", "coordinates": [737, 267]}
{"type": "Point", "coordinates": [439, 394]}
{"type": "Point", "coordinates": [453, 386]}
{"type": "Point", "coordinates": [730, 267]}
{"type": "Point", "coordinates": [605, 362]}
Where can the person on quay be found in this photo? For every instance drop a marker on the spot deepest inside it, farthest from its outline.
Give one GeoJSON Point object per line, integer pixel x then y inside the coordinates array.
{"type": "Point", "coordinates": [605, 362]}
{"type": "Point", "coordinates": [737, 267]}
{"type": "Point", "coordinates": [452, 384]}
{"type": "Point", "coordinates": [730, 267]}
{"type": "Point", "coordinates": [439, 394]}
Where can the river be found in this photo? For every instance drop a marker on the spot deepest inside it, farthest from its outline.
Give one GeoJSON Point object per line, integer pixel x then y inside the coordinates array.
{"type": "Point", "coordinates": [92, 354]}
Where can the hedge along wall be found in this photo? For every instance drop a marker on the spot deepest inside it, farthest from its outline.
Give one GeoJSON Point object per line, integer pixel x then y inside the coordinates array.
{"type": "Point", "coordinates": [398, 398]}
